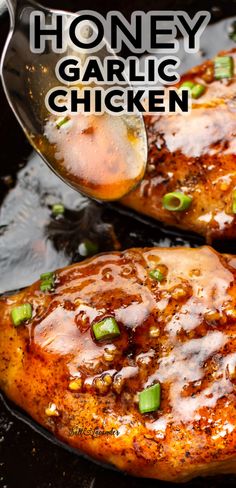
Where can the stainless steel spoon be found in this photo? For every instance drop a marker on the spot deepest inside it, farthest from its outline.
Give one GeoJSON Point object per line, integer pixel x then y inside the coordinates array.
{"type": "Point", "coordinates": [27, 77]}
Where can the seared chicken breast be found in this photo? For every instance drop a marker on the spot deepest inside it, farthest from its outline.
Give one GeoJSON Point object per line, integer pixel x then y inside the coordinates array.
{"type": "Point", "coordinates": [131, 358]}
{"type": "Point", "coordinates": [195, 154]}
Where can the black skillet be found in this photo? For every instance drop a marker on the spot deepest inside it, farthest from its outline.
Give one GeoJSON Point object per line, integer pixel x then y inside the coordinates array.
{"type": "Point", "coordinates": [32, 241]}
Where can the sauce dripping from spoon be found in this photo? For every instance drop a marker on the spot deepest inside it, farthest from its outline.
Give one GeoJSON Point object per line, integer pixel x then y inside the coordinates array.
{"type": "Point", "coordinates": [100, 155]}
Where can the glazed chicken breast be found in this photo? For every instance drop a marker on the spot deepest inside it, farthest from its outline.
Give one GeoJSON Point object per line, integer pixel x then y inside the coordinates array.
{"type": "Point", "coordinates": [195, 154]}
{"type": "Point", "coordinates": [131, 359]}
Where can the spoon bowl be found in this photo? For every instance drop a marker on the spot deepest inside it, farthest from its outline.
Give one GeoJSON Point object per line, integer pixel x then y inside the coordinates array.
{"type": "Point", "coordinates": [107, 160]}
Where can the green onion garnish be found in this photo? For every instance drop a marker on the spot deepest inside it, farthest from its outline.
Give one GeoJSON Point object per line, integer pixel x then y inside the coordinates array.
{"type": "Point", "coordinates": [223, 67]}
{"type": "Point", "coordinates": [58, 209]}
{"type": "Point", "coordinates": [150, 399]}
{"type": "Point", "coordinates": [87, 248]}
{"type": "Point", "coordinates": [106, 329]}
{"type": "Point", "coordinates": [156, 274]}
{"type": "Point", "coordinates": [47, 285]}
{"type": "Point", "coordinates": [187, 84]}
{"type": "Point", "coordinates": [234, 202]}
{"type": "Point", "coordinates": [47, 281]}
{"type": "Point", "coordinates": [61, 121]}
{"type": "Point", "coordinates": [46, 276]}
{"type": "Point", "coordinates": [176, 201]}
{"type": "Point", "coordinates": [21, 314]}
{"type": "Point", "coordinates": [196, 89]}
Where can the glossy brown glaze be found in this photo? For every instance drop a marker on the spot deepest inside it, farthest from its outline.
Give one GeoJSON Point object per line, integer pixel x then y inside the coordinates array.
{"type": "Point", "coordinates": [196, 154]}
{"type": "Point", "coordinates": [180, 332]}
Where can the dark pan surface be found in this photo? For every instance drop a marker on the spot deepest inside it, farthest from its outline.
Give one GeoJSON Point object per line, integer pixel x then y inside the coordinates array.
{"type": "Point", "coordinates": [32, 241]}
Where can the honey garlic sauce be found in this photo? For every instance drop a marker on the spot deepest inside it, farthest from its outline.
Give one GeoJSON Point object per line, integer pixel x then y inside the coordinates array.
{"type": "Point", "coordinates": [211, 126]}
{"type": "Point", "coordinates": [103, 156]}
{"type": "Point", "coordinates": [194, 153]}
{"type": "Point", "coordinates": [192, 354]}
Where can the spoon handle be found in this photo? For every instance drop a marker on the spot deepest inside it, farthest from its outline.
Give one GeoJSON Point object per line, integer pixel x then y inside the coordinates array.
{"type": "Point", "coordinates": [12, 5]}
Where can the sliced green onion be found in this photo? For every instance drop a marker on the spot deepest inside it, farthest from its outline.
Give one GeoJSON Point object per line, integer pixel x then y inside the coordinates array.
{"type": "Point", "coordinates": [150, 399]}
{"type": "Point", "coordinates": [187, 84]}
{"type": "Point", "coordinates": [234, 202]}
{"type": "Point", "coordinates": [156, 274]}
{"type": "Point", "coordinates": [196, 89]}
{"type": "Point", "coordinates": [21, 314]}
{"type": "Point", "coordinates": [47, 285]}
{"type": "Point", "coordinates": [87, 248]}
{"type": "Point", "coordinates": [61, 121]}
{"type": "Point", "coordinates": [223, 67]}
{"type": "Point", "coordinates": [176, 201]}
{"type": "Point", "coordinates": [46, 276]}
{"type": "Point", "coordinates": [106, 329]}
{"type": "Point", "coordinates": [58, 209]}
{"type": "Point", "coordinates": [47, 281]}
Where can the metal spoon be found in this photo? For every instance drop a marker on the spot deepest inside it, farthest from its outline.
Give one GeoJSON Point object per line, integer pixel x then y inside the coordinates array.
{"type": "Point", "coordinates": [27, 77]}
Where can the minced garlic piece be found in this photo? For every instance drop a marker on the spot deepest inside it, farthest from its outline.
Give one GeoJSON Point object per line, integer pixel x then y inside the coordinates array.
{"type": "Point", "coordinates": [109, 352]}
{"type": "Point", "coordinates": [75, 385]}
{"type": "Point", "coordinates": [154, 331]}
{"type": "Point", "coordinates": [102, 384]}
{"type": "Point", "coordinates": [51, 410]}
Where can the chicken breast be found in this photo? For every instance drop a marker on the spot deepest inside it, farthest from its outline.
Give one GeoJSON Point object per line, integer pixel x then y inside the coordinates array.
{"type": "Point", "coordinates": [172, 325]}
{"type": "Point", "coordinates": [194, 154]}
